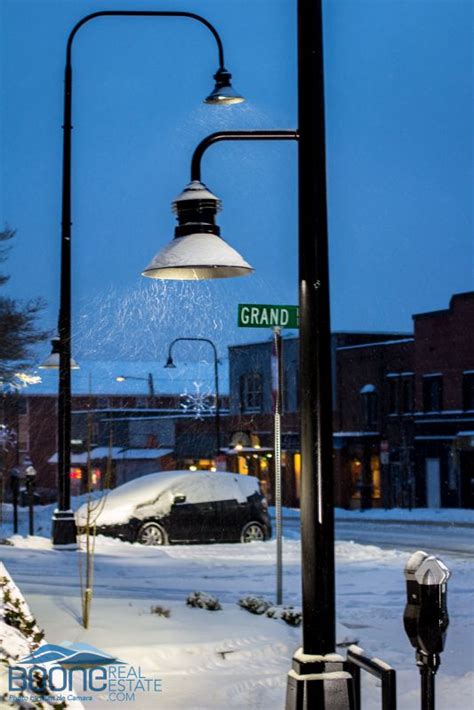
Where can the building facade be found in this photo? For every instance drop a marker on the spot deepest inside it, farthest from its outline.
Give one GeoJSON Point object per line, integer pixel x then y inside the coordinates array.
{"type": "Point", "coordinates": [403, 413]}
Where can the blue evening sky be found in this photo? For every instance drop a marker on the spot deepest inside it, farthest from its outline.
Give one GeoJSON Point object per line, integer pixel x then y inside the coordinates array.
{"type": "Point", "coordinates": [399, 85]}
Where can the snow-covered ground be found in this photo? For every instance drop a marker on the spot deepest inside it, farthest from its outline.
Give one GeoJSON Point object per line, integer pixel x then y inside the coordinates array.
{"type": "Point", "coordinates": [231, 658]}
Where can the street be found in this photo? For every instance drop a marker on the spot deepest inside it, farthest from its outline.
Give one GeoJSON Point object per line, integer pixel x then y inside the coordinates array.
{"type": "Point", "coordinates": [455, 540]}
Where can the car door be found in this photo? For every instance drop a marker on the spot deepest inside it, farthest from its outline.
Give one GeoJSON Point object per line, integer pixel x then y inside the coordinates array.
{"type": "Point", "coordinates": [192, 522]}
{"type": "Point", "coordinates": [193, 514]}
{"type": "Point", "coordinates": [231, 510]}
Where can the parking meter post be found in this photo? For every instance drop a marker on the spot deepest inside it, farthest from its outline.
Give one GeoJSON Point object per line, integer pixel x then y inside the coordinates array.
{"type": "Point", "coordinates": [426, 617]}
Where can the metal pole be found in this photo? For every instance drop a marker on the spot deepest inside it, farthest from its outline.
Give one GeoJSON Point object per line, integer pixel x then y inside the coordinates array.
{"type": "Point", "coordinates": [64, 527]}
{"type": "Point", "coordinates": [277, 445]}
{"type": "Point", "coordinates": [427, 688]}
{"type": "Point", "coordinates": [151, 385]}
{"type": "Point", "coordinates": [218, 406]}
{"type": "Point", "coordinates": [317, 496]}
{"type": "Point", "coordinates": [30, 508]}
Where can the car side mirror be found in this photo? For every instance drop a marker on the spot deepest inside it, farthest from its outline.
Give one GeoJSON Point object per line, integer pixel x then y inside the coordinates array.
{"type": "Point", "coordinates": [179, 499]}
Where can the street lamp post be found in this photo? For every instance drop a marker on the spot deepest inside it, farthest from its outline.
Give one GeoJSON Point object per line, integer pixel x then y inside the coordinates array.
{"type": "Point", "coordinates": [64, 528]}
{"type": "Point", "coordinates": [148, 380]}
{"type": "Point", "coordinates": [170, 363]}
{"type": "Point", "coordinates": [318, 678]}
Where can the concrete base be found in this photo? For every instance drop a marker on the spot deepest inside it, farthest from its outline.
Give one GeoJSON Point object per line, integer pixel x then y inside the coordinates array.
{"type": "Point", "coordinates": [319, 683]}
{"type": "Point", "coordinates": [64, 530]}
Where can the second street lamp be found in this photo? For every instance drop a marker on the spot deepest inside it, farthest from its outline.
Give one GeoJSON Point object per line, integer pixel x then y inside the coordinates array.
{"type": "Point", "coordinates": [64, 528]}
{"type": "Point", "coordinates": [170, 363]}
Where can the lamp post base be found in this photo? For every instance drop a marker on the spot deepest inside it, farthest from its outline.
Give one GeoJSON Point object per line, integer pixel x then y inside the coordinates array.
{"type": "Point", "coordinates": [319, 683]}
{"type": "Point", "coordinates": [64, 530]}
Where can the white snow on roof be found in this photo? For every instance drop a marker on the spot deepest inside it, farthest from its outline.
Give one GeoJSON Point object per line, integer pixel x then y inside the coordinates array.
{"type": "Point", "coordinates": [116, 453]}
{"type": "Point", "coordinates": [144, 453]}
{"type": "Point", "coordinates": [98, 377]}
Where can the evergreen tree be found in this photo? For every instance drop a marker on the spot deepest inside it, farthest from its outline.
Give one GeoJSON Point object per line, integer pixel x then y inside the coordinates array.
{"type": "Point", "coordinates": [18, 323]}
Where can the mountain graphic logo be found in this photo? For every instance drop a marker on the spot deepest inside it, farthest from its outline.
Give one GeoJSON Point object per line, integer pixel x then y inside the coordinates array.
{"type": "Point", "coordinates": [69, 655]}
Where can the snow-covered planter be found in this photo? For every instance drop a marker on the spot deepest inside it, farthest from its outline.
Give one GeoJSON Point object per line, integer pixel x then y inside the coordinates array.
{"type": "Point", "coordinates": [19, 636]}
{"type": "Point", "coordinates": [203, 601]}
{"type": "Point", "coordinates": [256, 605]}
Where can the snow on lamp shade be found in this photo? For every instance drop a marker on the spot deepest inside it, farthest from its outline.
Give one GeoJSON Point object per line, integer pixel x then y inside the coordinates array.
{"type": "Point", "coordinates": [197, 256]}
{"type": "Point", "coordinates": [52, 361]}
{"type": "Point", "coordinates": [197, 250]}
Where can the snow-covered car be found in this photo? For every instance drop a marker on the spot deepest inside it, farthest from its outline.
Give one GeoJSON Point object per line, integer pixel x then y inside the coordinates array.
{"type": "Point", "coordinates": [181, 506]}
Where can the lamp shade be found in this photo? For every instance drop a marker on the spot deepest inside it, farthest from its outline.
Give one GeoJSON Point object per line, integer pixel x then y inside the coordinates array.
{"type": "Point", "coordinates": [197, 256]}
{"type": "Point", "coordinates": [197, 250]}
{"type": "Point", "coordinates": [52, 361]}
{"type": "Point", "coordinates": [223, 92]}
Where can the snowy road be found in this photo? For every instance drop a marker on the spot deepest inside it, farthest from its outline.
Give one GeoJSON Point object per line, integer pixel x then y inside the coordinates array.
{"type": "Point", "coordinates": [454, 540]}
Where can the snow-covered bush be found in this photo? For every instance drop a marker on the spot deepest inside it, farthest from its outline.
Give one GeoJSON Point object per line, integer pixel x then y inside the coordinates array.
{"type": "Point", "coordinates": [19, 636]}
{"type": "Point", "coordinates": [256, 605]}
{"type": "Point", "coordinates": [291, 616]}
{"type": "Point", "coordinates": [203, 601]}
{"type": "Point", "coordinates": [288, 614]}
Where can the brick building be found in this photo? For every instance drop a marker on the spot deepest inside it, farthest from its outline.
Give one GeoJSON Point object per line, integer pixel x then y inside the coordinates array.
{"type": "Point", "coordinates": [250, 406]}
{"type": "Point", "coordinates": [403, 414]}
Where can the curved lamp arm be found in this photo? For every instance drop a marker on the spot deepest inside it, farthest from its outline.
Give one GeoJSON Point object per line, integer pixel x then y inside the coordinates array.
{"type": "Point", "coordinates": [270, 135]}
{"type": "Point", "coordinates": [145, 13]}
{"type": "Point", "coordinates": [202, 340]}
{"type": "Point", "coordinates": [216, 382]}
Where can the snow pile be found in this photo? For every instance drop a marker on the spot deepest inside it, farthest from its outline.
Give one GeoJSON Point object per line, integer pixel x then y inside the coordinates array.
{"type": "Point", "coordinates": [19, 636]}
{"type": "Point", "coordinates": [153, 495]}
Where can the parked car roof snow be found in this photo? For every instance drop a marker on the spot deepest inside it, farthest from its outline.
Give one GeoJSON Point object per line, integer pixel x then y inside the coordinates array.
{"type": "Point", "coordinates": [155, 494]}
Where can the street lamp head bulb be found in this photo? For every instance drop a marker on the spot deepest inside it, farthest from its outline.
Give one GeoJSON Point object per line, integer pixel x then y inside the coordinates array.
{"type": "Point", "coordinates": [120, 378]}
{"type": "Point", "coordinates": [169, 362]}
{"type": "Point", "coordinates": [223, 93]}
{"type": "Point", "coordinates": [197, 251]}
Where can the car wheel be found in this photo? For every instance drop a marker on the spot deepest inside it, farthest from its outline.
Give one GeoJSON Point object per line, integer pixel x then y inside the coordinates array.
{"type": "Point", "coordinates": [152, 534]}
{"type": "Point", "coordinates": [251, 532]}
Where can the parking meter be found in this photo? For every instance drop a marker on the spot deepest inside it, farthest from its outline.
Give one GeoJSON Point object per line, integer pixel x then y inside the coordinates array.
{"type": "Point", "coordinates": [426, 616]}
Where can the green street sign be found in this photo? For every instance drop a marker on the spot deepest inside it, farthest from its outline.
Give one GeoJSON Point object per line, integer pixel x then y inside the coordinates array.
{"type": "Point", "coordinates": [255, 315]}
